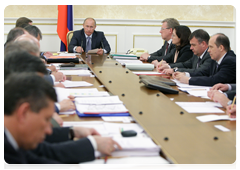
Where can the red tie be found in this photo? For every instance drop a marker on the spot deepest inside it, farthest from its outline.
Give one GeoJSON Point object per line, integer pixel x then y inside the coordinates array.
{"type": "Point", "coordinates": [166, 48]}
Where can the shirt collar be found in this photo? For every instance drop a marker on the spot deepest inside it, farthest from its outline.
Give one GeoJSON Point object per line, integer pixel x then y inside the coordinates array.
{"type": "Point", "coordinates": [220, 60]}
{"type": "Point", "coordinates": [170, 41]}
{"type": "Point", "coordinates": [203, 53]}
{"type": "Point", "coordinates": [88, 36]}
{"type": "Point", "coordinates": [11, 139]}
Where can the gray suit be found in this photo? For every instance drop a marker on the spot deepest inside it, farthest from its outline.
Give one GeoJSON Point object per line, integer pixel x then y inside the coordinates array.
{"type": "Point", "coordinates": [191, 64]}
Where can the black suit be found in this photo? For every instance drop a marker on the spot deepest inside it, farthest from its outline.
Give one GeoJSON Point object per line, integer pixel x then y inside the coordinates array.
{"type": "Point", "coordinates": [191, 64]}
{"type": "Point", "coordinates": [184, 54]}
{"type": "Point", "coordinates": [225, 73]}
{"type": "Point", "coordinates": [231, 93]}
{"type": "Point", "coordinates": [67, 152]}
{"type": "Point", "coordinates": [158, 55]}
{"type": "Point", "coordinates": [79, 39]}
{"type": "Point", "coordinates": [21, 156]}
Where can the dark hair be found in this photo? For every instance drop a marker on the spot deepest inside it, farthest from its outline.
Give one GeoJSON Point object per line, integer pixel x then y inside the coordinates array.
{"type": "Point", "coordinates": [183, 32]}
{"type": "Point", "coordinates": [13, 34]}
{"type": "Point", "coordinates": [16, 61]}
{"type": "Point", "coordinates": [27, 87]}
{"type": "Point", "coordinates": [200, 35]}
{"type": "Point", "coordinates": [22, 22]}
{"type": "Point", "coordinates": [223, 40]}
{"type": "Point", "coordinates": [33, 30]}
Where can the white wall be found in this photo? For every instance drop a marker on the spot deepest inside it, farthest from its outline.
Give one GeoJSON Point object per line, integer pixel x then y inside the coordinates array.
{"type": "Point", "coordinates": [123, 34]}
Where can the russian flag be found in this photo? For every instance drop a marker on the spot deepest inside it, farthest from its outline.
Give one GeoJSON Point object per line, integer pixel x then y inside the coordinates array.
{"type": "Point", "coordinates": [65, 24]}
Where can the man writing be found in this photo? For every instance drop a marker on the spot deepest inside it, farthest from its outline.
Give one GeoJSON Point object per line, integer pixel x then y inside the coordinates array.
{"type": "Point", "coordinates": [87, 39]}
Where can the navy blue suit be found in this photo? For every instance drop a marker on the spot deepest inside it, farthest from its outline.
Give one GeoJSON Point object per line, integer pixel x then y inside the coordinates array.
{"type": "Point", "coordinates": [79, 39]}
{"type": "Point", "coordinates": [225, 73]}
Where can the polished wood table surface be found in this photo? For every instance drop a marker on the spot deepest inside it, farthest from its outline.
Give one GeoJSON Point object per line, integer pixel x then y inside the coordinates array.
{"type": "Point", "coordinates": [183, 138]}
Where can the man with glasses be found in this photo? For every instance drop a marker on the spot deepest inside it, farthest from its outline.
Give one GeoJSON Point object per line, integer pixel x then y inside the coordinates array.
{"type": "Point", "coordinates": [168, 48]}
{"type": "Point", "coordinates": [87, 39]}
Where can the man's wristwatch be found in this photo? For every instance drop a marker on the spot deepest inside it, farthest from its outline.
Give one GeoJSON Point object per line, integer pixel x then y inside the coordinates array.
{"type": "Point", "coordinates": [175, 69]}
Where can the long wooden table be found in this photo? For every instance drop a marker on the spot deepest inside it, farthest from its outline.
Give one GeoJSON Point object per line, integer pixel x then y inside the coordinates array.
{"type": "Point", "coordinates": [183, 138]}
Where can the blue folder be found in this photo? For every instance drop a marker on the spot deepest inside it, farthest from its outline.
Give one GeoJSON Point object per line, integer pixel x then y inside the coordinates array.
{"type": "Point", "coordinates": [101, 114]}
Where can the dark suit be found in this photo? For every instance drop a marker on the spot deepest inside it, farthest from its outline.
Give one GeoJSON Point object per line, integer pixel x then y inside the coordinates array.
{"type": "Point", "coordinates": [225, 73]}
{"type": "Point", "coordinates": [67, 152]}
{"type": "Point", "coordinates": [158, 55]}
{"type": "Point", "coordinates": [231, 93]}
{"type": "Point", "coordinates": [79, 39]}
{"type": "Point", "coordinates": [21, 156]}
{"type": "Point", "coordinates": [184, 54]}
{"type": "Point", "coordinates": [191, 64]}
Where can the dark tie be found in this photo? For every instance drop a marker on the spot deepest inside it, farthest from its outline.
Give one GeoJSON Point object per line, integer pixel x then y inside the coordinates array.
{"type": "Point", "coordinates": [198, 63]}
{"type": "Point", "coordinates": [216, 68]}
{"type": "Point", "coordinates": [88, 47]}
{"type": "Point", "coordinates": [166, 48]}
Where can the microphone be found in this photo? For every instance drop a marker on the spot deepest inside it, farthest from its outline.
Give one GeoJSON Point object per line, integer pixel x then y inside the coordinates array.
{"type": "Point", "coordinates": [81, 47]}
{"type": "Point", "coordinates": [102, 46]}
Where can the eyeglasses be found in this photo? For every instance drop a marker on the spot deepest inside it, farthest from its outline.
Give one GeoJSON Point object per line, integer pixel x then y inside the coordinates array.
{"type": "Point", "coordinates": [164, 28]}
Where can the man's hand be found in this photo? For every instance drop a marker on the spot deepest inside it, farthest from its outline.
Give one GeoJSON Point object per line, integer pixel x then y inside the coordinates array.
{"type": "Point", "coordinates": [144, 57]}
{"type": "Point", "coordinates": [100, 52]}
{"type": "Point", "coordinates": [231, 111]}
{"type": "Point", "coordinates": [47, 54]}
{"type": "Point", "coordinates": [219, 97]}
{"type": "Point", "coordinates": [220, 86]}
{"type": "Point", "coordinates": [79, 49]}
{"type": "Point", "coordinates": [168, 71]}
{"type": "Point", "coordinates": [82, 132]}
{"type": "Point", "coordinates": [59, 76]}
{"type": "Point", "coordinates": [106, 145]}
{"type": "Point", "coordinates": [181, 77]}
{"type": "Point", "coordinates": [57, 118]}
{"type": "Point", "coordinates": [67, 104]}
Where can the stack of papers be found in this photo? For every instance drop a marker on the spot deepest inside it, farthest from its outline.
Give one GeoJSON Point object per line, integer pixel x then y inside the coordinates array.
{"type": "Point", "coordinates": [147, 73]}
{"type": "Point", "coordinates": [68, 83]}
{"type": "Point", "coordinates": [200, 107]}
{"type": "Point", "coordinates": [76, 72]}
{"type": "Point", "coordinates": [139, 66]}
{"type": "Point", "coordinates": [123, 62]}
{"type": "Point", "coordinates": [124, 56]}
{"type": "Point", "coordinates": [134, 146]}
{"type": "Point", "coordinates": [100, 106]}
{"type": "Point", "coordinates": [125, 162]}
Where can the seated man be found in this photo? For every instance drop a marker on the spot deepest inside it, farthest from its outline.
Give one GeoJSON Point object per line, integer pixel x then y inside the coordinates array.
{"type": "Point", "coordinates": [222, 68]}
{"type": "Point", "coordinates": [87, 39]}
{"type": "Point", "coordinates": [60, 145]}
{"type": "Point", "coordinates": [168, 48]}
{"type": "Point", "coordinates": [28, 108]}
{"type": "Point", "coordinates": [200, 60]}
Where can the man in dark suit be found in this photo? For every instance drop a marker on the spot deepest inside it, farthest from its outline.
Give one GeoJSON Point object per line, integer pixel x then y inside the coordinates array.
{"type": "Point", "coordinates": [87, 39]}
{"type": "Point", "coordinates": [168, 48]}
{"type": "Point", "coordinates": [28, 108]}
{"type": "Point", "coordinates": [200, 60]}
{"type": "Point", "coordinates": [222, 68]}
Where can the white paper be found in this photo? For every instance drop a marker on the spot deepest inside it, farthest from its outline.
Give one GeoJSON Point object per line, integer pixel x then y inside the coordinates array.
{"type": "Point", "coordinates": [99, 100]}
{"type": "Point", "coordinates": [199, 107]}
{"type": "Point", "coordinates": [103, 108]}
{"type": "Point", "coordinates": [68, 83]}
{"type": "Point", "coordinates": [124, 119]}
{"type": "Point", "coordinates": [222, 128]}
{"type": "Point", "coordinates": [145, 72]}
{"type": "Point", "coordinates": [123, 62]}
{"type": "Point", "coordinates": [94, 51]}
{"type": "Point", "coordinates": [76, 72]}
{"type": "Point", "coordinates": [125, 162]}
{"type": "Point", "coordinates": [67, 54]}
{"type": "Point", "coordinates": [209, 118]}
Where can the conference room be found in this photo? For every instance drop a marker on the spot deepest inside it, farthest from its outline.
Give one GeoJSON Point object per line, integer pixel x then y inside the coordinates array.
{"type": "Point", "coordinates": [179, 133]}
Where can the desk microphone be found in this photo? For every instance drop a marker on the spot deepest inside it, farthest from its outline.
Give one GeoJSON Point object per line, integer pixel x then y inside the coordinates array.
{"type": "Point", "coordinates": [102, 46]}
{"type": "Point", "coordinates": [81, 47]}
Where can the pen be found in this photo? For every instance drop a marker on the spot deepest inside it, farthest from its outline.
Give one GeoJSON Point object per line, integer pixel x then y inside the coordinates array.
{"type": "Point", "coordinates": [105, 159]}
{"type": "Point", "coordinates": [233, 103]}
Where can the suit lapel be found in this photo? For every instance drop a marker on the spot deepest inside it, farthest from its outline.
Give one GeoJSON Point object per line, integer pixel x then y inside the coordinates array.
{"type": "Point", "coordinates": [94, 40]}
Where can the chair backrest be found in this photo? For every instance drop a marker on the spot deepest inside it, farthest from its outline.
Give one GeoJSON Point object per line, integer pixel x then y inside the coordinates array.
{"type": "Point", "coordinates": [69, 37]}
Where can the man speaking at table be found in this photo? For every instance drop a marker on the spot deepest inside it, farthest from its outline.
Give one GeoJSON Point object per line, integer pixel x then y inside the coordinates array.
{"type": "Point", "coordinates": [87, 39]}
